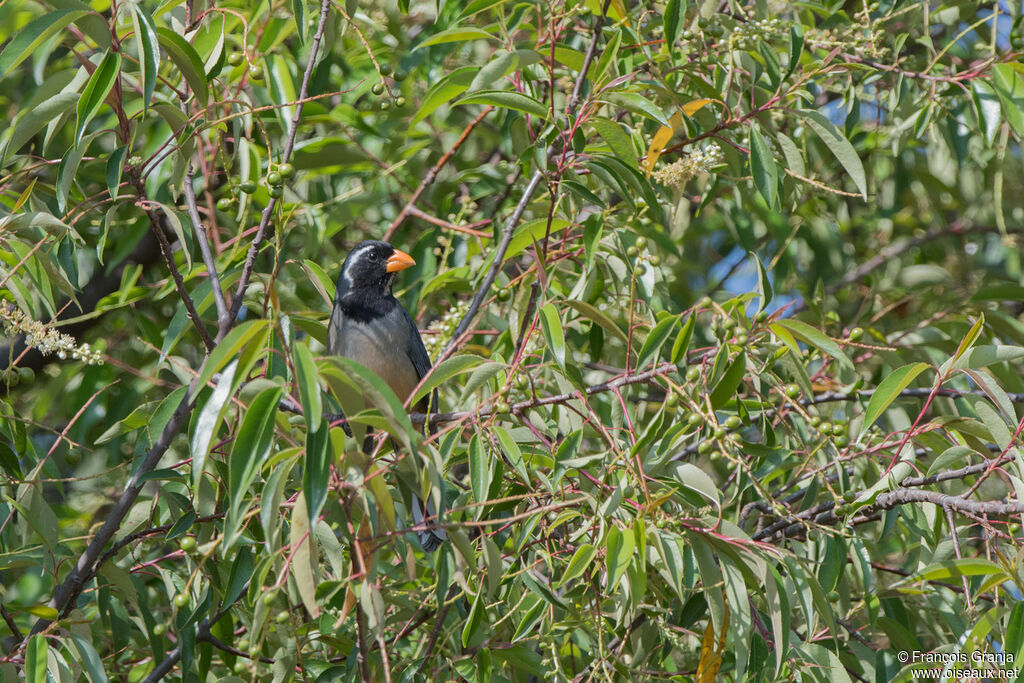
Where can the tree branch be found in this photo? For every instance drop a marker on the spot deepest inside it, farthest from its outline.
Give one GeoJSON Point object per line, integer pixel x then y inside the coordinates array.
{"type": "Point", "coordinates": [204, 249]}
{"type": "Point", "coordinates": [257, 242]}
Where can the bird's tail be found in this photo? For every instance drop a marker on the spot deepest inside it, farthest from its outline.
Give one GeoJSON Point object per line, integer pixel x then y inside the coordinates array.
{"type": "Point", "coordinates": [431, 536]}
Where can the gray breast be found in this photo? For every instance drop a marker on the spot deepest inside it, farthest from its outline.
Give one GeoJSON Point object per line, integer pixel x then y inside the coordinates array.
{"type": "Point", "coordinates": [382, 346]}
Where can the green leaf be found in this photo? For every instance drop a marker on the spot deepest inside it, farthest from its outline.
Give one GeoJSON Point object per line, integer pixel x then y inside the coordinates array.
{"type": "Point", "coordinates": [148, 46]}
{"type": "Point", "coordinates": [815, 338]}
{"type": "Point", "coordinates": [506, 100]}
{"type": "Point", "coordinates": [530, 620]}
{"type": "Point", "coordinates": [455, 35]}
{"type": "Point", "coordinates": [476, 613]}
{"type": "Point", "coordinates": [316, 468]}
{"type": "Point", "coordinates": [309, 386]}
{"type": "Point", "coordinates": [619, 546]}
{"type": "Point", "coordinates": [682, 342]}
{"type": "Point", "coordinates": [479, 469]}
{"type": "Point", "coordinates": [100, 83]}
{"type": "Point", "coordinates": [445, 91]}
{"type": "Point", "coordinates": [36, 653]}
{"type": "Point", "coordinates": [444, 371]}
{"type": "Point", "coordinates": [299, 15]}
{"type": "Point", "coordinates": [208, 421]}
{"type": "Point", "coordinates": [33, 120]}
{"type": "Point", "coordinates": [187, 60]}
{"type": "Point", "coordinates": [889, 389]}
{"type": "Point", "coordinates": [673, 18]}
{"type": "Point", "coordinates": [229, 346]}
{"type": "Point", "coordinates": [115, 166]}
{"type": "Point", "coordinates": [241, 572]}
{"type": "Point", "coordinates": [599, 317]}
{"type": "Point", "coordinates": [954, 569]}
{"type": "Point", "coordinates": [656, 339]}
{"type": "Point", "coordinates": [731, 379]}
{"type": "Point", "coordinates": [251, 448]}
{"type": "Point", "coordinates": [582, 560]}
{"type": "Point", "coordinates": [1010, 88]}
{"type": "Point", "coordinates": [762, 167]}
{"type": "Point", "coordinates": [839, 146]}
{"type": "Point", "coordinates": [617, 139]}
{"type": "Point", "coordinates": [90, 658]}
{"type": "Point", "coordinates": [512, 451]}
{"type": "Point", "coordinates": [764, 283]}
{"type": "Point", "coordinates": [553, 332]}
{"type": "Point", "coordinates": [28, 39]}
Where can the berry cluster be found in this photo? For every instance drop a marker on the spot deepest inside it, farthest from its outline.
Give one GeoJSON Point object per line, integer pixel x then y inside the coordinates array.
{"type": "Point", "coordinates": [46, 339]}
{"type": "Point", "coordinates": [693, 164]}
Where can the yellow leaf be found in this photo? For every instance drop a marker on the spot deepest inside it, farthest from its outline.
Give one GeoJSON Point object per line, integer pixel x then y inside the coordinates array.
{"type": "Point", "coordinates": [711, 651]}
{"type": "Point", "coordinates": [660, 139]}
{"type": "Point", "coordinates": [694, 106]}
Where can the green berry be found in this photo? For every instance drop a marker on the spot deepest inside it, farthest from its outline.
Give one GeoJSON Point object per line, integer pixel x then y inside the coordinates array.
{"type": "Point", "coordinates": [224, 203]}
{"type": "Point", "coordinates": [503, 407]}
{"type": "Point", "coordinates": [400, 102]}
{"type": "Point", "coordinates": [236, 59]}
{"type": "Point", "coordinates": [833, 596]}
{"type": "Point", "coordinates": [287, 171]}
{"type": "Point", "coordinates": [385, 69]}
{"type": "Point", "coordinates": [728, 324]}
{"type": "Point", "coordinates": [654, 260]}
{"type": "Point", "coordinates": [825, 427]}
{"type": "Point", "coordinates": [254, 652]}
{"type": "Point", "coordinates": [632, 252]}
{"type": "Point", "coordinates": [705, 302]}
{"type": "Point", "coordinates": [26, 375]}
{"type": "Point", "coordinates": [187, 544]}
{"type": "Point", "coordinates": [839, 429]}
{"type": "Point", "coordinates": [687, 34]}
{"type": "Point", "coordinates": [256, 72]}
{"type": "Point", "coordinates": [704, 446]}
{"type": "Point", "coordinates": [641, 242]}
{"type": "Point", "coordinates": [718, 433]}
{"type": "Point", "coordinates": [815, 421]}
{"type": "Point", "coordinates": [672, 400]}
{"type": "Point", "coordinates": [742, 339]}
{"type": "Point", "coordinates": [274, 178]}
{"type": "Point", "coordinates": [792, 390]}
{"type": "Point", "coordinates": [73, 458]}
{"type": "Point", "coordinates": [841, 442]}
{"type": "Point", "coordinates": [248, 187]}
{"type": "Point", "coordinates": [761, 317]}
{"type": "Point", "coordinates": [282, 616]}
{"type": "Point", "coordinates": [181, 600]}
{"type": "Point", "coordinates": [377, 89]}
{"type": "Point", "coordinates": [269, 597]}
{"type": "Point", "coordinates": [692, 374]}
{"type": "Point", "coordinates": [159, 629]}
{"type": "Point", "coordinates": [276, 192]}
{"type": "Point", "coordinates": [641, 269]}
{"type": "Point", "coordinates": [242, 644]}
{"type": "Point", "coordinates": [733, 422]}
{"type": "Point", "coordinates": [695, 419]}
{"type": "Point", "coordinates": [856, 333]}
{"type": "Point", "coordinates": [400, 75]}
{"type": "Point", "coordinates": [385, 105]}
{"type": "Point", "coordinates": [241, 666]}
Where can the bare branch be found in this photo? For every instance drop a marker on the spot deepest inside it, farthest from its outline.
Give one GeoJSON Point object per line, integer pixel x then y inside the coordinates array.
{"type": "Point", "coordinates": [257, 242]}
{"type": "Point", "coordinates": [204, 249]}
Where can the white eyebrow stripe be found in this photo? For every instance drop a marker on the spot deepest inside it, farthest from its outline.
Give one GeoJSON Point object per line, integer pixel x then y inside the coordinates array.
{"type": "Point", "coordinates": [358, 254]}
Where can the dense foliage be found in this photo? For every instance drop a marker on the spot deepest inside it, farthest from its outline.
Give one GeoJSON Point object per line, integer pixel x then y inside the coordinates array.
{"type": "Point", "coordinates": [723, 298]}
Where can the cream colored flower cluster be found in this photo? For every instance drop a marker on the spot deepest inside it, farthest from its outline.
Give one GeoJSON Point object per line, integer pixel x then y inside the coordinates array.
{"type": "Point", "coordinates": [690, 166]}
{"type": "Point", "coordinates": [46, 339]}
{"type": "Point", "coordinates": [441, 330]}
{"type": "Point", "coordinates": [747, 34]}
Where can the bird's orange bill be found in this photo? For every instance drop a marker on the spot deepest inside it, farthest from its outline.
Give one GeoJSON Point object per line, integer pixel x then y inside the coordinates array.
{"type": "Point", "coordinates": [399, 261]}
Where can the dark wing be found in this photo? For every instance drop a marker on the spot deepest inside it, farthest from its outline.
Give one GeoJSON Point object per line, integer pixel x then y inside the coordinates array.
{"type": "Point", "coordinates": [420, 361]}
{"type": "Point", "coordinates": [415, 348]}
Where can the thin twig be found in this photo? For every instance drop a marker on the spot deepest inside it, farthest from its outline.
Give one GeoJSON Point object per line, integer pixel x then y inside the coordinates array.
{"type": "Point", "coordinates": [204, 248]}
{"type": "Point", "coordinates": [257, 242]}
{"type": "Point", "coordinates": [432, 173]}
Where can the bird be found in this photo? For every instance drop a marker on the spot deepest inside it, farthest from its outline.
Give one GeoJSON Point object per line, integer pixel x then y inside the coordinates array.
{"type": "Point", "coordinates": [369, 326]}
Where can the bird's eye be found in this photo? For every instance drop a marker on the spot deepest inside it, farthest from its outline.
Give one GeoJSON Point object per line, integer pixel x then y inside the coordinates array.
{"type": "Point", "coordinates": [372, 256]}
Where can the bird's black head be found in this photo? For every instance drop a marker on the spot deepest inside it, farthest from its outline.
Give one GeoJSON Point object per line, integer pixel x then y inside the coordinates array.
{"type": "Point", "coordinates": [368, 272]}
